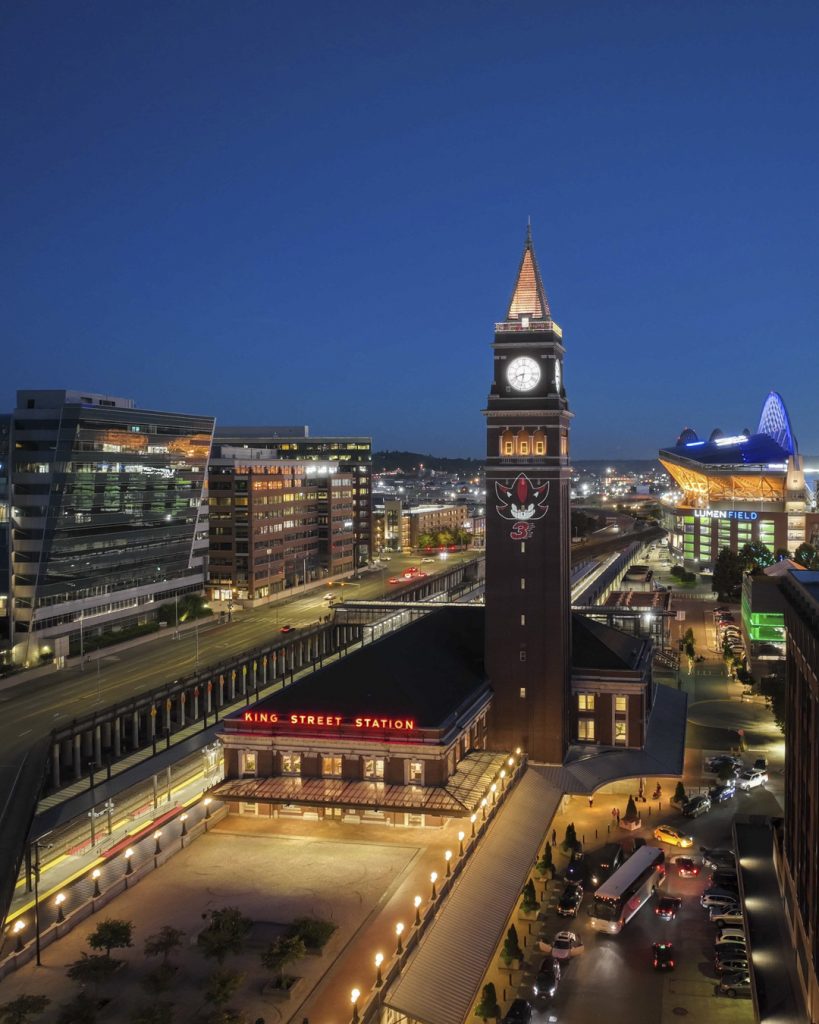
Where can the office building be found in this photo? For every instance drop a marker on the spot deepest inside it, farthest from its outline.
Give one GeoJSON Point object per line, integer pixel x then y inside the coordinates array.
{"type": "Point", "coordinates": [108, 517]}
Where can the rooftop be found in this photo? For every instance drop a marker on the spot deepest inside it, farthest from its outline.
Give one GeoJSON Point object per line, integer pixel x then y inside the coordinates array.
{"type": "Point", "coordinates": [597, 646]}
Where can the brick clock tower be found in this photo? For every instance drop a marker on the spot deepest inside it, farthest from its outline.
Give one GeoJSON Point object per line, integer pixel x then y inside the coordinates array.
{"type": "Point", "coordinates": [528, 601]}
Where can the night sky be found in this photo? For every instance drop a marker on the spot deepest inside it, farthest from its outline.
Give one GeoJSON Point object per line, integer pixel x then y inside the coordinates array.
{"type": "Point", "coordinates": [283, 213]}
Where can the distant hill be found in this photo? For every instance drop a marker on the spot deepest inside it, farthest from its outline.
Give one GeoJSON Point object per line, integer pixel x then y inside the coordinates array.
{"type": "Point", "coordinates": [411, 462]}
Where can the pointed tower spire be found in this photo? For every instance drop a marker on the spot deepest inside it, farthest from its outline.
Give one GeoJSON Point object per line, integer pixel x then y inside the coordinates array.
{"type": "Point", "coordinates": [529, 297]}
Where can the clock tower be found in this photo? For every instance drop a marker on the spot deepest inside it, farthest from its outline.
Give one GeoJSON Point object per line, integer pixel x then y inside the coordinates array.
{"type": "Point", "coordinates": [528, 600]}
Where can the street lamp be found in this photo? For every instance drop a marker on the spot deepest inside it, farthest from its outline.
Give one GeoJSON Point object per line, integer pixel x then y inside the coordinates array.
{"type": "Point", "coordinates": [129, 867]}
{"type": "Point", "coordinates": [399, 931]}
{"type": "Point", "coordinates": [379, 959]}
{"type": "Point", "coordinates": [511, 762]}
{"type": "Point", "coordinates": [503, 779]}
{"type": "Point", "coordinates": [417, 902]}
{"type": "Point", "coordinates": [472, 820]}
{"type": "Point", "coordinates": [493, 790]}
{"type": "Point", "coordinates": [157, 847]}
{"type": "Point", "coordinates": [448, 859]}
{"type": "Point", "coordinates": [19, 925]}
{"type": "Point", "coordinates": [207, 802]}
{"type": "Point", "coordinates": [354, 1000]}
{"type": "Point", "coordinates": [461, 837]}
{"type": "Point", "coordinates": [95, 874]}
{"type": "Point", "coordinates": [483, 809]}
{"type": "Point", "coordinates": [433, 878]}
{"type": "Point", "coordinates": [59, 900]}
{"type": "Point", "coordinates": [184, 819]}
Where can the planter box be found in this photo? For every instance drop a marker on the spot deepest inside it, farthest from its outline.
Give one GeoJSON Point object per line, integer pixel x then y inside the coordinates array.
{"type": "Point", "coordinates": [631, 826]}
{"type": "Point", "coordinates": [527, 915]}
{"type": "Point", "coordinates": [279, 995]}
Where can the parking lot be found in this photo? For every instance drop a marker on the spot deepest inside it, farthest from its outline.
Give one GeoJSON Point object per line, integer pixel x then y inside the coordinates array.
{"type": "Point", "coordinates": [615, 976]}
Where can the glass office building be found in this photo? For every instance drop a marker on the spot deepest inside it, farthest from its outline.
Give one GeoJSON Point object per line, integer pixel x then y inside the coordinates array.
{"type": "Point", "coordinates": [108, 516]}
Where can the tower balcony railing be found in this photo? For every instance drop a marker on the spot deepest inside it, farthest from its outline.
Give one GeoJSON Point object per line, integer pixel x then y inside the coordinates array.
{"type": "Point", "coordinates": [513, 326]}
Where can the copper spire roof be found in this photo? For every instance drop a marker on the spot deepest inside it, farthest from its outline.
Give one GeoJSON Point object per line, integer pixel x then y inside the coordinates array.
{"type": "Point", "coordinates": [529, 297]}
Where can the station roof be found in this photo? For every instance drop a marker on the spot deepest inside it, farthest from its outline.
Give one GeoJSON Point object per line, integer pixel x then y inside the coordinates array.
{"type": "Point", "coordinates": [595, 645]}
{"type": "Point", "coordinates": [425, 671]}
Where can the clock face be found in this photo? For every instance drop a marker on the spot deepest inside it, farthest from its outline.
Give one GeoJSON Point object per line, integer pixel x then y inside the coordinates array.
{"type": "Point", "coordinates": [558, 373]}
{"type": "Point", "coordinates": [523, 373]}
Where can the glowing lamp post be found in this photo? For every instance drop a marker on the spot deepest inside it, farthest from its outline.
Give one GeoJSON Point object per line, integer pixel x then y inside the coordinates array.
{"type": "Point", "coordinates": [95, 874]}
{"type": "Point", "coordinates": [483, 809]}
{"type": "Point", "coordinates": [503, 779]}
{"type": "Point", "coordinates": [399, 931]}
{"type": "Point", "coordinates": [448, 859]}
{"type": "Point", "coordinates": [59, 900]}
{"type": "Point", "coordinates": [19, 925]}
{"type": "Point", "coordinates": [184, 819]}
{"type": "Point", "coordinates": [354, 995]}
{"type": "Point", "coordinates": [379, 959]}
{"type": "Point", "coordinates": [493, 789]}
{"type": "Point", "coordinates": [417, 902]}
{"type": "Point", "coordinates": [511, 762]}
{"type": "Point", "coordinates": [461, 837]}
{"type": "Point", "coordinates": [157, 845]}
{"type": "Point", "coordinates": [207, 803]}
{"type": "Point", "coordinates": [472, 820]}
{"type": "Point", "coordinates": [129, 865]}
{"type": "Point", "coordinates": [433, 878]}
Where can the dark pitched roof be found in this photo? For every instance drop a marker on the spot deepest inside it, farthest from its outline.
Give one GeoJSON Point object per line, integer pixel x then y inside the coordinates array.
{"type": "Point", "coordinates": [595, 645]}
{"type": "Point", "coordinates": [425, 671]}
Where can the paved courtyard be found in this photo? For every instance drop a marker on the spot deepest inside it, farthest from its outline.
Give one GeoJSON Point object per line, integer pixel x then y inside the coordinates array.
{"type": "Point", "coordinates": [343, 873]}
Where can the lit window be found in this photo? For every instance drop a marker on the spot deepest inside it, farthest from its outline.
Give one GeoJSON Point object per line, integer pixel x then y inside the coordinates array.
{"type": "Point", "coordinates": [523, 655]}
{"type": "Point", "coordinates": [620, 732]}
{"type": "Point", "coordinates": [585, 702]}
{"type": "Point", "coordinates": [416, 772]}
{"type": "Point", "coordinates": [523, 688]}
{"type": "Point", "coordinates": [373, 768]}
{"type": "Point", "coordinates": [291, 764]}
{"type": "Point", "coordinates": [331, 765]}
{"type": "Point", "coordinates": [540, 448]}
{"type": "Point", "coordinates": [523, 583]}
{"type": "Point", "coordinates": [585, 730]}
{"type": "Point", "coordinates": [507, 448]}
{"type": "Point", "coordinates": [523, 620]}
{"type": "Point", "coordinates": [620, 704]}
{"type": "Point", "coordinates": [524, 447]}
{"type": "Point", "coordinates": [249, 762]}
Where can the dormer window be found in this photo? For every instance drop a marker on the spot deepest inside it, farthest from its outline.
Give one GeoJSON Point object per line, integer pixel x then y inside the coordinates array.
{"type": "Point", "coordinates": [524, 321]}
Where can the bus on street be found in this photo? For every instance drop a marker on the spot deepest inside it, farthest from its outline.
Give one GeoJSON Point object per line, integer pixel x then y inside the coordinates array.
{"type": "Point", "coordinates": [619, 898]}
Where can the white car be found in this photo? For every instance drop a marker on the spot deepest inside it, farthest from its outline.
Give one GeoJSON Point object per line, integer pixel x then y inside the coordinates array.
{"type": "Point", "coordinates": [564, 946]}
{"type": "Point", "coordinates": [751, 779]}
{"type": "Point", "coordinates": [730, 935]}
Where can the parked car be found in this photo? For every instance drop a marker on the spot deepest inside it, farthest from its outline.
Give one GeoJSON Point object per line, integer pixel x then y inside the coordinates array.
{"type": "Point", "coordinates": [724, 878]}
{"type": "Point", "coordinates": [722, 918]}
{"type": "Point", "coordinates": [548, 978]}
{"type": "Point", "coordinates": [735, 985]}
{"type": "Point", "coordinates": [696, 806]}
{"type": "Point", "coordinates": [721, 898]}
{"type": "Point", "coordinates": [730, 964]}
{"type": "Point", "coordinates": [719, 794]}
{"type": "Point", "coordinates": [287, 629]}
{"type": "Point", "coordinates": [520, 1012]}
{"type": "Point", "coordinates": [605, 863]}
{"type": "Point", "coordinates": [761, 764]}
{"type": "Point", "coordinates": [576, 868]}
{"type": "Point", "coordinates": [713, 764]}
{"type": "Point", "coordinates": [727, 935]}
{"type": "Point", "coordinates": [667, 834]}
{"type": "Point", "coordinates": [686, 867]}
{"type": "Point", "coordinates": [662, 955]}
{"type": "Point", "coordinates": [570, 899]}
{"type": "Point", "coordinates": [667, 907]}
{"type": "Point", "coordinates": [718, 857]}
{"type": "Point", "coordinates": [751, 780]}
{"type": "Point", "coordinates": [566, 945]}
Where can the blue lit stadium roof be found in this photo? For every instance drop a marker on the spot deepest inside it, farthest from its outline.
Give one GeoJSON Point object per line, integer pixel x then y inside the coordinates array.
{"type": "Point", "coordinates": [773, 443]}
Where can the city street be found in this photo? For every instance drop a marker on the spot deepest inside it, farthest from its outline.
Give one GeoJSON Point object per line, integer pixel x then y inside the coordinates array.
{"type": "Point", "coordinates": [31, 707]}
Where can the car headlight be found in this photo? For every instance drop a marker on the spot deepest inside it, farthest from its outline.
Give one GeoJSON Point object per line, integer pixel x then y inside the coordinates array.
{"type": "Point", "coordinates": [551, 991]}
{"type": "Point", "coordinates": [534, 989]}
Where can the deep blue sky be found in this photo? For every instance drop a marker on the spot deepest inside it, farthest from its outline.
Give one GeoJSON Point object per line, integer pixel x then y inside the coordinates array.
{"type": "Point", "coordinates": [314, 212]}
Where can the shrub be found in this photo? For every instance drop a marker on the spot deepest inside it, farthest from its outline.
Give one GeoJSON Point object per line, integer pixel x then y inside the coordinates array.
{"type": "Point", "coordinates": [570, 839]}
{"type": "Point", "coordinates": [225, 934]}
{"type": "Point", "coordinates": [82, 1009]}
{"type": "Point", "coordinates": [631, 810]}
{"type": "Point", "coordinates": [511, 947]}
{"type": "Point", "coordinates": [22, 1009]}
{"type": "Point", "coordinates": [91, 970]}
{"type": "Point", "coordinates": [545, 865]}
{"type": "Point", "coordinates": [160, 980]}
{"type": "Point", "coordinates": [680, 795]}
{"type": "Point", "coordinates": [313, 932]}
{"type": "Point", "coordinates": [488, 1004]}
{"type": "Point", "coordinates": [529, 903]}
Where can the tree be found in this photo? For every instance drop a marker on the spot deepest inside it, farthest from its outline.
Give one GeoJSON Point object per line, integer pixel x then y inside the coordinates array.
{"type": "Point", "coordinates": [111, 934]}
{"type": "Point", "coordinates": [727, 575]}
{"type": "Point", "coordinates": [545, 865]}
{"type": "Point", "coordinates": [679, 794]}
{"type": "Point", "coordinates": [807, 555]}
{"type": "Point", "coordinates": [92, 970]}
{"type": "Point", "coordinates": [631, 810]}
{"type": "Point", "coordinates": [511, 947]}
{"type": "Point", "coordinates": [225, 934]}
{"type": "Point", "coordinates": [82, 1009]}
{"type": "Point", "coordinates": [488, 1004]}
{"type": "Point", "coordinates": [164, 942]}
{"type": "Point", "coordinates": [313, 932]}
{"type": "Point", "coordinates": [688, 644]}
{"type": "Point", "coordinates": [281, 952]}
{"type": "Point", "coordinates": [570, 839]}
{"type": "Point", "coordinates": [221, 985]}
{"type": "Point", "coordinates": [772, 687]}
{"type": "Point", "coordinates": [425, 540]}
{"type": "Point", "coordinates": [153, 1013]}
{"type": "Point", "coordinates": [725, 772]}
{"type": "Point", "coordinates": [22, 1009]}
{"type": "Point", "coordinates": [756, 556]}
{"type": "Point", "coordinates": [529, 903]}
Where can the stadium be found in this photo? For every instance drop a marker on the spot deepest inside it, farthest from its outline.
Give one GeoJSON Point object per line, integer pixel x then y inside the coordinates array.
{"type": "Point", "coordinates": [733, 490]}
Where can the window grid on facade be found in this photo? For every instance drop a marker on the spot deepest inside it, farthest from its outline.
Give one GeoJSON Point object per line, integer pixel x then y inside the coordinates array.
{"type": "Point", "coordinates": [291, 764]}
{"type": "Point", "coordinates": [374, 768]}
{"type": "Point", "coordinates": [585, 729]}
{"type": "Point", "coordinates": [331, 765]}
{"type": "Point", "coordinates": [585, 702]}
{"type": "Point", "coordinates": [620, 731]}
{"type": "Point", "coordinates": [621, 704]}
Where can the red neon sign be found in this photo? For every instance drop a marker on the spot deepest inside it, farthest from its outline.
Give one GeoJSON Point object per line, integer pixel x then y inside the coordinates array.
{"type": "Point", "coordinates": [329, 721]}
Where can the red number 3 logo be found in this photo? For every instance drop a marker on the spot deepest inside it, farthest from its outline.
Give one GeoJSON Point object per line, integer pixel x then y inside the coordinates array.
{"type": "Point", "coordinates": [521, 531]}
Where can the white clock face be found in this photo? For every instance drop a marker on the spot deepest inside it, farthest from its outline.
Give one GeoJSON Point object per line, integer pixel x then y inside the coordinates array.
{"type": "Point", "coordinates": [557, 375]}
{"type": "Point", "coordinates": [523, 373]}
